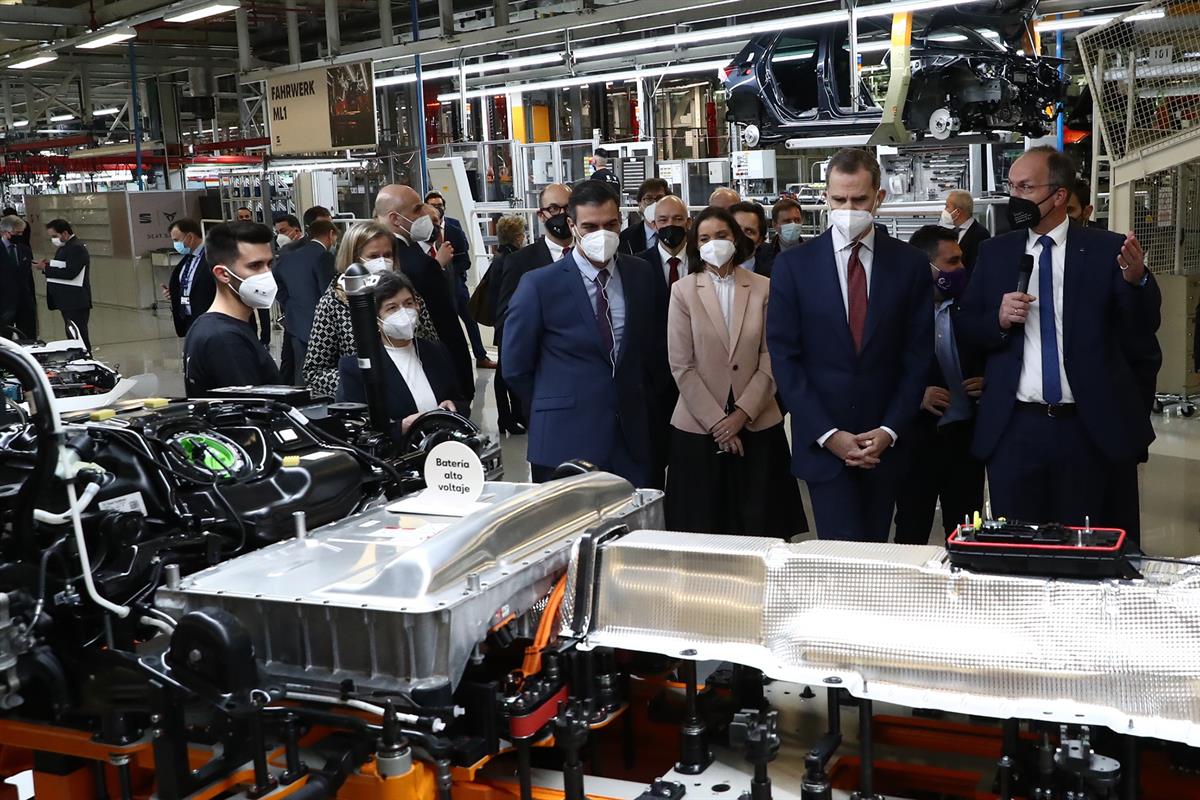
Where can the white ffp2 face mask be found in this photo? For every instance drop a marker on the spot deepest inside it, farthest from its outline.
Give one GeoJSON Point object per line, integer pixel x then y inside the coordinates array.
{"type": "Point", "coordinates": [257, 291]}
{"type": "Point", "coordinates": [400, 325]}
{"type": "Point", "coordinates": [851, 222]}
{"type": "Point", "coordinates": [377, 265]}
{"type": "Point", "coordinates": [420, 229]}
{"type": "Point", "coordinates": [600, 246]}
{"type": "Point", "coordinates": [717, 252]}
{"type": "Point", "coordinates": [947, 219]}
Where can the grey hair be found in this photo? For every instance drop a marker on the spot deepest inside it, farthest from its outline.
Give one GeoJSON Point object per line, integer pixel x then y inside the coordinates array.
{"type": "Point", "coordinates": [963, 201]}
{"type": "Point", "coordinates": [11, 224]}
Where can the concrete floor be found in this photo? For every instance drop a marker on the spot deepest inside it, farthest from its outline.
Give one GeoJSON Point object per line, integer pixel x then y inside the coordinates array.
{"type": "Point", "coordinates": [142, 343]}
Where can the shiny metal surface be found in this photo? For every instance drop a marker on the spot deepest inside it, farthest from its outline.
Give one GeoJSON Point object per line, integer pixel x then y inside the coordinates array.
{"type": "Point", "coordinates": [397, 601]}
{"type": "Point", "coordinates": [896, 623]}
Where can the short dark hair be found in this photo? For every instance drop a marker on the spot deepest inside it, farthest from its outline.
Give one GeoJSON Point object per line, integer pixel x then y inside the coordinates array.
{"type": "Point", "coordinates": [850, 160]}
{"type": "Point", "coordinates": [290, 219]}
{"type": "Point", "coordinates": [928, 238]}
{"type": "Point", "coordinates": [389, 285]}
{"type": "Point", "coordinates": [1060, 166]}
{"type": "Point", "coordinates": [743, 247]}
{"type": "Point", "coordinates": [650, 185]}
{"type": "Point", "coordinates": [750, 207]}
{"type": "Point", "coordinates": [318, 228]}
{"type": "Point", "coordinates": [60, 226]}
{"type": "Point", "coordinates": [591, 193]}
{"type": "Point", "coordinates": [315, 213]}
{"type": "Point", "coordinates": [1082, 191]}
{"type": "Point", "coordinates": [432, 195]}
{"type": "Point", "coordinates": [245, 208]}
{"type": "Point", "coordinates": [186, 226]}
{"type": "Point", "coordinates": [222, 241]}
{"type": "Point", "coordinates": [9, 211]}
{"type": "Point", "coordinates": [782, 205]}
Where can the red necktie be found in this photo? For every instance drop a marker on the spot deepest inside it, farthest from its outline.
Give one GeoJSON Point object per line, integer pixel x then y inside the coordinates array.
{"type": "Point", "coordinates": [673, 263]}
{"type": "Point", "coordinates": [433, 252]}
{"type": "Point", "coordinates": [566, 251]}
{"type": "Point", "coordinates": [856, 295]}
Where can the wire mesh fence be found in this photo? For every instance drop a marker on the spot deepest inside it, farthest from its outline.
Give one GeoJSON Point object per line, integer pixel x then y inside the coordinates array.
{"type": "Point", "coordinates": [1143, 68]}
{"type": "Point", "coordinates": [1166, 219]}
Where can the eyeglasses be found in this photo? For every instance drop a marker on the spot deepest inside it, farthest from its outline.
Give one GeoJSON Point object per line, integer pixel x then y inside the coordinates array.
{"type": "Point", "coordinates": [1025, 188]}
{"type": "Point", "coordinates": [554, 209]}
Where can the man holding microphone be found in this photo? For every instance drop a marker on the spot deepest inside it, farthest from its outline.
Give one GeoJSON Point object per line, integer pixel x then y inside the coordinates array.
{"type": "Point", "coordinates": [1064, 403]}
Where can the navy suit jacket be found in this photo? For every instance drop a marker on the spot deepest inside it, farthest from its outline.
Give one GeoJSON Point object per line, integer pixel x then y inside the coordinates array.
{"type": "Point", "coordinates": [555, 362]}
{"type": "Point", "coordinates": [201, 295]}
{"type": "Point", "coordinates": [665, 389]}
{"type": "Point", "coordinates": [303, 274]}
{"type": "Point", "coordinates": [1110, 351]}
{"type": "Point", "coordinates": [823, 382]}
{"type": "Point", "coordinates": [62, 296]}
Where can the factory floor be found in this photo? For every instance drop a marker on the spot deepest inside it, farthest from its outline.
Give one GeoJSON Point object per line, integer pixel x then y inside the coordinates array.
{"type": "Point", "coordinates": [141, 343]}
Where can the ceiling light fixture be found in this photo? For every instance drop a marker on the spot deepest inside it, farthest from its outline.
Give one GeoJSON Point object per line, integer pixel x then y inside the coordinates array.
{"type": "Point", "coordinates": [202, 11]}
{"type": "Point", "coordinates": [21, 123]}
{"type": "Point", "coordinates": [471, 69]}
{"type": "Point", "coordinates": [106, 38]}
{"type": "Point", "coordinates": [63, 118]}
{"type": "Point", "coordinates": [34, 61]}
{"type": "Point", "coordinates": [1076, 23]}
{"type": "Point", "coordinates": [584, 80]}
{"type": "Point", "coordinates": [106, 112]}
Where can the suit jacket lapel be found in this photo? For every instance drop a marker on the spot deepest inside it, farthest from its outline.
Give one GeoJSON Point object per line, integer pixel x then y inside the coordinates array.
{"type": "Point", "coordinates": [1074, 261]}
{"type": "Point", "coordinates": [574, 280]}
{"type": "Point", "coordinates": [825, 269]}
{"type": "Point", "coordinates": [880, 287]}
{"type": "Point", "coordinates": [544, 256]}
{"type": "Point", "coordinates": [741, 301]}
{"type": "Point", "coordinates": [708, 299]}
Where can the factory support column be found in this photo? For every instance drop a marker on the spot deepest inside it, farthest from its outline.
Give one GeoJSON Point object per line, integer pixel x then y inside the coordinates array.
{"type": "Point", "coordinates": [422, 145]}
{"type": "Point", "coordinates": [500, 13]}
{"type": "Point", "coordinates": [242, 22]}
{"type": "Point", "coordinates": [387, 37]}
{"type": "Point", "coordinates": [293, 32]}
{"type": "Point", "coordinates": [135, 112]}
{"type": "Point", "coordinates": [333, 30]}
{"type": "Point", "coordinates": [6, 99]}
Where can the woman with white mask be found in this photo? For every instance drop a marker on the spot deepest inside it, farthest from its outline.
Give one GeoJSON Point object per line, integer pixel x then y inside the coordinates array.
{"type": "Point", "coordinates": [729, 468]}
{"type": "Point", "coordinates": [332, 338]}
{"type": "Point", "coordinates": [417, 373]}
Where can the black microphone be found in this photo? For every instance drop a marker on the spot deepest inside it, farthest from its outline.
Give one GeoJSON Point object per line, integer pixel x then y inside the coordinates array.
{"type": "Point", "coordinates": [1024, 273]}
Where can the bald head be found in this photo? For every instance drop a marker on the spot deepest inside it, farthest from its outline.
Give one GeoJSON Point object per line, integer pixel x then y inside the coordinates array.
{"type": "Point", "coordinates": [556, 194]}
{"type": "Point", "coordinates": [724, 198]}
{"type": "Point", "coordinates": [670, 206]}
{"type": "Point", "coordinates": [396, 206]}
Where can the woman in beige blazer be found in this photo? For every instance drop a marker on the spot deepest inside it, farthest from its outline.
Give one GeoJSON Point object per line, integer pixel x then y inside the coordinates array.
{"type": "Point", "coordinates": [730, 467]}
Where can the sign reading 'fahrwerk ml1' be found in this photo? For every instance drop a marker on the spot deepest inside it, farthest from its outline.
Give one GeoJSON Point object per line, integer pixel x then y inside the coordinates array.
{"type": "Point", "coordinates": [323, 109]}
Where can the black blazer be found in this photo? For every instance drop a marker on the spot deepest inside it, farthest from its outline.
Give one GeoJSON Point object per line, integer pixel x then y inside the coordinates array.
{"type": "Point", "coordinates": [764, 259]}
{"type": "Point", "coordinates": [201, 296]}
{"type": "Point", "coordinates": [528, 258]}
{"type": "Point", "coordinates": [60, 296]}
{"type": "Point", "coordinates": [1109, 344]}
{"type": "Point", "coordinates": [666, 392]}
{"type": "Point", "coordinates": [302, 274]}
{"type": "Point", "coordinates": [633, 239]}
{"type": "Point", "coordinates": [438, 370]}
{"type": "Point", "coordinates": [17, 298]}
{"type": "Point", "coordinates": [430, 281]}
{"type": "Point", "coordinates": [496, 270]}
{"type": "Point", "coordinates": [974, 236]}
{"type": "Point", "coordinates": [457, 238]}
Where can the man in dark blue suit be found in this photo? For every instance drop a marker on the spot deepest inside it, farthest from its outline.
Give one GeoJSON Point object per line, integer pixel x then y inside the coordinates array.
{"type": "Point", "coordinates": [1064, 402]}
{"type": "Point", "coordinates": [575, 342]}
{"type": "Point", "coordinates": [851, 340]}
{"type": "Point", "coordinates": [303, 273]}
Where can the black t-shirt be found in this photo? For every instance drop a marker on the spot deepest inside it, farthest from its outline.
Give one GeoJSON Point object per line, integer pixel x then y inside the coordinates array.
{"type": "Point", "coordinates": [223, 351]}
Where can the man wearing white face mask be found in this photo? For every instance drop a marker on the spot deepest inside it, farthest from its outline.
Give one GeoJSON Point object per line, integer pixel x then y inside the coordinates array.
{"type": "Point", "coordinates": [579, 346]}
{"type": "Point", "coordinates": [851, 341]}
{"type": "Point", "coordinates": [400, 209]}
{"type": "Point", "coordinates": [221, 348]}
{"type": "Point", "coordinates": [958, 215]}
{"type": "Point", "coordinates": [640, 237]}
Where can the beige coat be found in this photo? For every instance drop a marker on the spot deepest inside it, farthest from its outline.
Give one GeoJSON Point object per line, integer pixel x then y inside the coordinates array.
{"type": "Point", "coordinates": [707, 358]}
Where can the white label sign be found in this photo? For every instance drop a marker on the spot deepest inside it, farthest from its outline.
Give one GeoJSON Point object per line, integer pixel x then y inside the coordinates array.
{"type": "Point", "coordinates": [454, 471]}
{"type": "Point", "coordinates": [1163, 54]}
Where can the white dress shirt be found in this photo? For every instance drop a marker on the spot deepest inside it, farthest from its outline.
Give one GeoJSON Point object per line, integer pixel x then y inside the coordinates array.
{"type": "Point", "coordinates": [555, 250]}
{"type": "Point", "coordinates": [665, 255]}
{"type": "Point", "coordinates": [1029, 387]}
{"type": "Point", "coordinates": [409, 364]}
{"type": "Point", "coordinates": [842, 248]}
{"type": "Point", "coordinates": [724, 290]}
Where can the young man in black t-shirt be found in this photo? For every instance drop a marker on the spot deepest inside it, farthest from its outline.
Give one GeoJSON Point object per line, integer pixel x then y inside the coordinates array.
{"type": "Point", "coordinates": [222, 346]}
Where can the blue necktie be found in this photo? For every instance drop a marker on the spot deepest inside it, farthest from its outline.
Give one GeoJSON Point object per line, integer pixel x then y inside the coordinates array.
{"type": "Point", "coordinates": [1051, 384]}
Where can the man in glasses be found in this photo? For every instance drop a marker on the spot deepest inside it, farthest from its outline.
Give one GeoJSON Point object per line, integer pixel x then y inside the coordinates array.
{"type": "Point", "coordinates": [545, 250]}
{"type": "Point", "coordinates": [1071, 361]}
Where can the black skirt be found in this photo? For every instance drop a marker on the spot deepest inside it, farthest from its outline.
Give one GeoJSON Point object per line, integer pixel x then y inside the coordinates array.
{"type": "Point", "coordinates": [713, 492]}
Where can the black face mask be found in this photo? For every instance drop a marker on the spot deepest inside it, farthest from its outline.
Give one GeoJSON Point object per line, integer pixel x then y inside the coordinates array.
{"type": "Point", "coordinates": [558, 227]}
{"type": "Point", "coordinates": [433, 237]}
{"type": "Point", "coordinates": [1024, 214]}
{"type": "Point", "coordinates": [672, 235]}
